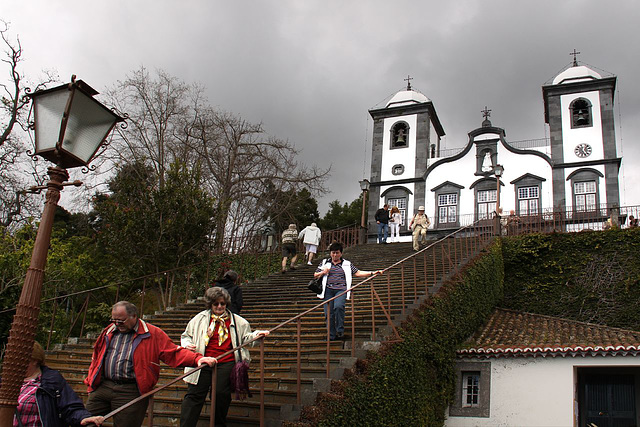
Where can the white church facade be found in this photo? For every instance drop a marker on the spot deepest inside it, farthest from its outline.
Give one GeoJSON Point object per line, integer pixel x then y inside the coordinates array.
{"type": "Point", "coordinates": [576, 169]}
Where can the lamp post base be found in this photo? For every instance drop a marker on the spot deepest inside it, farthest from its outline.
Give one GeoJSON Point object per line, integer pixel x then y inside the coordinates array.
{"type": "Point", "coordinates": [25, 321]}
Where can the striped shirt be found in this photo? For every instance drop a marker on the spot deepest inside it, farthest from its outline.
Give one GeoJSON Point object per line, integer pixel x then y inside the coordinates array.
{"type": "Point", "coordinates": [336, 278]}
{"type": "Point", "coordinates": [27, 405]}
{"type": "Point", "coordinates": [118, 359]}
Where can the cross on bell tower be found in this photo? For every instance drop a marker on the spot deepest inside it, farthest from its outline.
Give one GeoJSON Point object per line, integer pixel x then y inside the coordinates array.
{"type": "Point", "coordinates": [408, 80]}
{"type": "Point", "coordinates": [486, 113]}
{"type": "Point", "coordinates": [575, 54]}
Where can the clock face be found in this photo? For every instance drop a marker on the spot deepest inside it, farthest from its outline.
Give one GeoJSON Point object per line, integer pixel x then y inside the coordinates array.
{"type": "Point", "coordinates": [582, 150]}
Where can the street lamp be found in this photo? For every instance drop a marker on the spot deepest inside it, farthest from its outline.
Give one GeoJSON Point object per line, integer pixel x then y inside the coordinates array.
{"type": "Point", "coordinates": [364, 186]}
{"type": "Point", "coordinates": [70, 126]}
{"type": "Point", "coordinates": [498, 170]}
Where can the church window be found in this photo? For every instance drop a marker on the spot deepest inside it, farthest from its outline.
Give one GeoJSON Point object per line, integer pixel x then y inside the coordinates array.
{"type": "Point", "coordinates": [486, 200]}
{"type": "Point", "coordinates": [400, 135]}
{"type": "Point", "coordinates": [401, 204]}
{"type": "Point", "coordinates": [470, 389]}
{"type": "Point", "coordinates": [585, 195]}
{"type": "Point", "coordinates": [447, 208]}
{"type": "Point", "coordinates": [397, 169]}
{"type": "Point", "coordinates": [581, 113]}
{"type": "Point", "coordinates": [528, 200]}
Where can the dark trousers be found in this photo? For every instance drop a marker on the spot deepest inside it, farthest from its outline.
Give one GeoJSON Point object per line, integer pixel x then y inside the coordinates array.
{"type": "Point", "coordinates": [109, 396]}
{"type": "Point", "coordinates": [336, 309]}
{"type": "Point", "coordinates": [197, 394]}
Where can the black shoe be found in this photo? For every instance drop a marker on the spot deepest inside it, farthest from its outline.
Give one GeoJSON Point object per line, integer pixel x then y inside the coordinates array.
{"type": "Point", "coordinates": [283, 271]}
{"type": "Point", "coordinates": [292, 268]}
{"type": "Point", "coordinates": [340, 336]}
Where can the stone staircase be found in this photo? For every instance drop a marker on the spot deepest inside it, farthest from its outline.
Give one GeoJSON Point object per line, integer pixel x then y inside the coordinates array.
{"type": "Point", "coordinates": [268, 302]}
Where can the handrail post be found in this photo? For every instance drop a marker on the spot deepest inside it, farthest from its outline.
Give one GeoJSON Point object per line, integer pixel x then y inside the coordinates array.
{"type": "Point", "coordinates": [144, 287]}
{"type": "Point", "coordinates": [214, 385]}
{"type": "Point", "coordinates": [298, 361]}
{"type": "Point", "coordinates": [327, 312]}
{"type": "Point", "coordinates": [373, 314]}
{"type": "Point", "coordinates": [401, 287]}
{"type": "Point", "coordinates": [415, 280]}
{"type": "Point", "coordinates": [84, 316]}
{"type": "Point", "coordinates": [435, 271]}
{"type": "Point", "coordinates": [186, 292]}
{"type": "Point", "coordinates": [388, 287]}
{"type": "Point", "coordinates": [424, 261]}
{"type": "Point", "coordinates": [53, 316]}
{"type": "Point", "coordinates": [150, 411]}
{"type": "Point", "coordinates": [262, 382]}
{"type": "Point", "coordinates": [353, 324]}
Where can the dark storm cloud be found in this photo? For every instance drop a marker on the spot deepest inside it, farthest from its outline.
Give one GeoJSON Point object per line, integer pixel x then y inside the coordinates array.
{"type": "Point", "coordinates": [311, 70]}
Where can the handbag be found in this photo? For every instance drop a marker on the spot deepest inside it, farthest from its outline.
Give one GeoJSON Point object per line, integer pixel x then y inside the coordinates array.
{"type": "Point", "coordinates": [315, 285]}
{"type": "Point", "coordinates": [239, 377]}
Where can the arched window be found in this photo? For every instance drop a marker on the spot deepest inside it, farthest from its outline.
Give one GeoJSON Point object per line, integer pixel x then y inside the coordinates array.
{"type": "Point", "coordinates": [400, 135]}
{"type": "Point", "coordinates": [581, 113]}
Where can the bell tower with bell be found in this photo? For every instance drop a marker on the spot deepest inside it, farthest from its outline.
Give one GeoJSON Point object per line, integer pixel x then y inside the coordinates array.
{"type": "Point", "coordinates": [406, 133]}
{"type": "Point", "coordinates": [578, 107]}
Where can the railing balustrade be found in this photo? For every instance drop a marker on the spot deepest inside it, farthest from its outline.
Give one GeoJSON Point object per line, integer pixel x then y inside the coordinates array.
{"type": "Point", "coordinates": [450, 251]}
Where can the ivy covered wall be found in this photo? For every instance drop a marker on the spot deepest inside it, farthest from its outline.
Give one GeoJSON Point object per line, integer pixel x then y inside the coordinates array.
{"type": "Point", "coordinates": [411, 383]}
{"type": "Point", "coordinates": [589, 276]}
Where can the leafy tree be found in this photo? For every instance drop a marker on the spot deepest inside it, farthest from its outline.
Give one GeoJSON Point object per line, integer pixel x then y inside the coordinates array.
{"type": "Point", "coordinates": [342, 215]}
{"type": "Point", "coordinates": [145, 229]}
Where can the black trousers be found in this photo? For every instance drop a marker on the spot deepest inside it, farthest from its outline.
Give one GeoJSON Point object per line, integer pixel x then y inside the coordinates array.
{"type": "Point", "coordinates": [109, 396]}
{"type": "Point", "coordinates": [197, 394]}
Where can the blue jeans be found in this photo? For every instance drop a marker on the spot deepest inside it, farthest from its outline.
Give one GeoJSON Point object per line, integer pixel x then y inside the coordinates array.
{"type": "Point", "coordinates": [336, 307]}
{"type": "Point", "coordinates": [383, 228]}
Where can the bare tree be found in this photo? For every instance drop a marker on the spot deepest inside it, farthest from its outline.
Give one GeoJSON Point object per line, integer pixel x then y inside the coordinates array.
{"type": "Point", "coordinates": [244, 167]}
{"type": "Point", "coordinates": [157, 107]}
{"type": "Point", "coordinates": [15, 169]}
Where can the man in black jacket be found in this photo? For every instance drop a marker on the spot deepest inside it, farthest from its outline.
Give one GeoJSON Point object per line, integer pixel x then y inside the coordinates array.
{"type": "Point", "coordinates": [228, 282]}
{"type": "Point", "coordinates": [382, 219]}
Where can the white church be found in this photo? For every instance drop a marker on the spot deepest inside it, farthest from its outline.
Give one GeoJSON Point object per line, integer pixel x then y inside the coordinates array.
{"type": "Point", "coordinates": [576, 169]}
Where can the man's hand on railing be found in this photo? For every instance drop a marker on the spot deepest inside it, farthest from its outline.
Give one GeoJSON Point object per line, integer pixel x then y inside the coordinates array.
{"type": "Point", "coordinates": [208, 360]}
{"type": "Point", "coordinates": [261, 333]}
{"type": "Point", "coordinates": [97, 420]}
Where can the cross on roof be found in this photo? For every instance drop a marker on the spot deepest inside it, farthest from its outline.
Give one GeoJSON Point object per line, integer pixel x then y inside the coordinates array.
{"type": "Point", "coordinates": [486, 113]}
{"type": "Point", "coordinates": [575, 54]}
{"type": "Point", "coordinates": [408, 80]}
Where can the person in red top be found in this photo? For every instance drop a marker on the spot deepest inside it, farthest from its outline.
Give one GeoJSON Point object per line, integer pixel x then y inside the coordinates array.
{"type": "Point", "coordinates": [214, 332]}
{"type": "Point", "coordinates": [126, 364]}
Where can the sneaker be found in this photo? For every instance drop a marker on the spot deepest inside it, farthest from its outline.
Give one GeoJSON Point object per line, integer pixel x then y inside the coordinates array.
{"type": "Point", "coordinates": [309, 263]}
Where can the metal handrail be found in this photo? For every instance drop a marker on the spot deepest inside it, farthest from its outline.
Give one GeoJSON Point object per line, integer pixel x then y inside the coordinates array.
{"type": "Point", "coordinates": [482, 233]}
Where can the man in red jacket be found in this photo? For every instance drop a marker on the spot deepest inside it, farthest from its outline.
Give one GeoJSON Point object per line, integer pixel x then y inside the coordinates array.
{"type": "Point", "coordinates": [126, 364]}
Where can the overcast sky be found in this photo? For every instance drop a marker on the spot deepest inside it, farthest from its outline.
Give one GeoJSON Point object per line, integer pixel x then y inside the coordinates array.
{"type": "Point", "coordinates": [310, 70]}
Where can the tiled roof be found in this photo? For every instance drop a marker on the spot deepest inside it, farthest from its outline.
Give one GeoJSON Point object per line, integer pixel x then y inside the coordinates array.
{"type": "Point", "coordinates": [511, 333]}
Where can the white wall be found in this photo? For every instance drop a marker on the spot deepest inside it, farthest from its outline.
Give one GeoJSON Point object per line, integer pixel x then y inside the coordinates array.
{"type": "Point", "coordinates": [405, 156]}
{"type": "Point", "coordinates": [535, 391]}
{"type": "Point", "coordinates": [590, 135]}
{"type": "Point", "coordinates": [462, 172]}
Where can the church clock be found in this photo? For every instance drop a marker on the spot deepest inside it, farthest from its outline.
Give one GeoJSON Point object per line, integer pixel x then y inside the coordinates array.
{"type": "Point", "coordinates": [582, 150]}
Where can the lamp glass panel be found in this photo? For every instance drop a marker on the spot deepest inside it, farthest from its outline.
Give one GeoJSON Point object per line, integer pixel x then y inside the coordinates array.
{"type": "Point", "coordinates": [49, 109]}
{"type": "Point", "coordinates": [89, 123]}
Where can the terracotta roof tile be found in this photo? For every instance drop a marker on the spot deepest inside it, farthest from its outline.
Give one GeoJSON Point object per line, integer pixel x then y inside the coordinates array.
{"type": "Point", "coordinates": [515, 333]}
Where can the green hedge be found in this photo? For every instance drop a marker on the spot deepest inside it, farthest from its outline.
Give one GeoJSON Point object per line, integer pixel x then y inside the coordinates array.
{"type": "Point", "coordinates": [412, 382]}
{"type": "Point", "coordinates": [588, 276]}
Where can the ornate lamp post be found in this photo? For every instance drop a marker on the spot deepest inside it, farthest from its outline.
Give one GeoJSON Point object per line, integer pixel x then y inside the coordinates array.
{"type": "Point", "coordinates": [498, 171]}
{"type": "Point", "coordinates": [364, 186]}
{"type": "Point", "coordinates": [70, 126]}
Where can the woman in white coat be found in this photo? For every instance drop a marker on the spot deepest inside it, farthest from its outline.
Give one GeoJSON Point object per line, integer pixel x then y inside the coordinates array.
{"type": "Point", "coordinates": [214, 332]}
{"type": "Point", "coordinates": [311, 238]}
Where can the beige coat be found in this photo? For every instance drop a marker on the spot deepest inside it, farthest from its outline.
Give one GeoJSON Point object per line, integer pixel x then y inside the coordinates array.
{"type": "Point", "coordinates": [194, 335]}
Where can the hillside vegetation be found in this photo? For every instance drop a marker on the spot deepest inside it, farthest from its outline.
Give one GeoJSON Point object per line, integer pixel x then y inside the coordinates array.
{"type": "Point", "coordinates": [589, 276]}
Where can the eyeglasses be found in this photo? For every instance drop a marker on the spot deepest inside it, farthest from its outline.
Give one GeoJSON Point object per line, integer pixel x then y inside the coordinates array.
{"type": "Point", "coordinates": [117, 321]}
{"type": "Point", "coordinates": [218, 303]}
